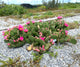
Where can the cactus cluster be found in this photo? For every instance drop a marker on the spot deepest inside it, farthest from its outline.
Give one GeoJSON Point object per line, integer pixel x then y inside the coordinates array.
{"type": "Point", "coordinates": [39, 34]}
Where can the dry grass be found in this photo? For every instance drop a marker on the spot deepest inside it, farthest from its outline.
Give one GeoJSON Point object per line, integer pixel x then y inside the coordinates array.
{"type": "Point", "coordinates": [73, 25]}
{"type": "Point", "coordinates": [63, 12]}
{"type": "Point", "coordinates": [68, 15]}
{"type": "Point", "coordinates": [77, 11]}
{"type": "Point", "coordinates": [78, 36]}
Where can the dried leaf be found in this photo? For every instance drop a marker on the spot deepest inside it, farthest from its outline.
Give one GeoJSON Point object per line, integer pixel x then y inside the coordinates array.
{"type": "Point", "coordinates": [38, 26]}
{"type": "Point", "coordinates": [29, 48]}
{"type": "Point", "coordinates": [34, 48]}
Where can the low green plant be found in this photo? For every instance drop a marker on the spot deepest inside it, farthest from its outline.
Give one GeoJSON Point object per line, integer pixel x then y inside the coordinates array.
{"type": "Point", "coordinates": [42, 7]}
{"type": "Point", "coordinates": [41, 35]}
{"type": "Point", "coordinates": [56, 54]}
{"type": "Point", "coordinates": [37, 57]}
{"type": "Point", "coordinates": [48, 13]}
{"type": "Point", "coordinates": [69, 6]}
{"type": "Point", "coordinates": [73, 41]}
{"type": "Point", "coordinates": [43, 16]}
{"type": "Point", "coordinates": [27, 15]}
{"type": "Point", "coordinates": [74, 51]}
{"type": "Point", "coordinates": [58, 47]}
{"type": "Point", "coordinates": [13, 63]}
{"type": "Point", "coordinates": [36, 17]}
{"type": "Point", "coordinates": [16, 62]}
{"type": "Point", "coordinates": [12, 10]}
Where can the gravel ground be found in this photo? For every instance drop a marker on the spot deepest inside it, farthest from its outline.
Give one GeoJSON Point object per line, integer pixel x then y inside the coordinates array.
{"type": "Point", "coordinates": [72, 19]}
{"type": "Point", "coordinates": [68, 56]}
{"type": "Point", "coordinates": [9, 22]}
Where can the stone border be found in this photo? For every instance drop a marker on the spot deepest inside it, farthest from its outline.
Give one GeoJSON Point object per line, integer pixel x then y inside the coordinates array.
{"type": "Point", "coordinates": [44, 20]}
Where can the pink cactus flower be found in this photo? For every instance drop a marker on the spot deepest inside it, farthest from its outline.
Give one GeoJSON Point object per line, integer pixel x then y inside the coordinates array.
{"type": "Point", "coordinates": [33, 22]}
{"type": "Point", "coordinates": [59, 17]}
{"type": "Point", "coordinates": [20, 27]}
{"type": "Point", "coordinates": [25, 30]}
{"type": "Point", "coordinates": [49, 36]}
{"type": "Point", "coordinates": [40, 33]}
{"type": "Point", "coordinates": [8, 29]}
{"type": "Point", "coordinates": [53, 43]}
{"type": "Point", "coordinates": [65, 24]}
{"type": "Point", "coordinates": [66, 32]}
{"type": "Point", "coordinates": [50, 45]}
{"type": "Point", "coordinates": [9, 33]}
{"type": "Point", "coordinates": [42, 38]}
{"type": "Point", "coordinates": [21, 38]}
{"type": "Point", "coordinates": [16, 26]}
{"type": "Point", "coordinates": [40, 20]}
{"type": "Point", "coordinates": [17, 40]}
{"type": "Point", "coordinates": [60, 30]}
{"type": "Point", "coordinates": [37, 50]}
{"type": "Point", "coordinates": [36, 37]}
{"type": "Point", "coordinates": [43, 49]}
{"type": "Point", "coordinates": [3, 31]}
{"type": "Point", "coordinates": [46, 28]}
{"type": "Point", "coordinates": [51, 40]}
{"type": "Point", "coordinates": [28, 22]}
{"type": "Point", "coordinates": [40, 48]}
{"type": "Point", "coordinates": [5, 37]}
{"type": "Point", "coordinates": [11, 29]}
{"type": "Point", "coordinates": [14, 40]}
{"type": "Point", "coordinates": [8, 44]}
